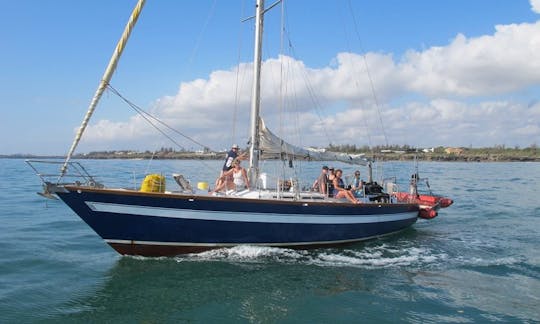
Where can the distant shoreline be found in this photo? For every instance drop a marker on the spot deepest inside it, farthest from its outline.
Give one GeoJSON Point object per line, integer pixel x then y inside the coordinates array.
{"type": "Point", "coordinates": [434, 157]}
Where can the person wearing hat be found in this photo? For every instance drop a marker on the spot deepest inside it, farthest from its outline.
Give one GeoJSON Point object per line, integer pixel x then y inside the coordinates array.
{"type": "Point", "coordinates": [232, 155]}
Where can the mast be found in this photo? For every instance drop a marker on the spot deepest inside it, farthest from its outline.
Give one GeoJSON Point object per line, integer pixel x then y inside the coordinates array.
{"type": "Point", "coordinates": [256, 95]}
{"type": "Point", "coordinates": [104, 80]}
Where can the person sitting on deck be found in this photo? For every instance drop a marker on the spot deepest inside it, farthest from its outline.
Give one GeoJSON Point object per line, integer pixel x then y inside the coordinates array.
{"type": "Point", "coordinates": [330, 183]}
{"type": "Point", "coordinates": [239, 177]}
{"type": "Point", "coordinates": [339, 188]}
{"type": "Point", "coordinates": [232, 155]}
{"type": "Point", "coordinates": [357, 184]}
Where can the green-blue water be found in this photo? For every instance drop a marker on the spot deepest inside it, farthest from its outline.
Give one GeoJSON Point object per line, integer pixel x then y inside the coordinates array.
{"type": "Point", "coordinates": [479, 261]}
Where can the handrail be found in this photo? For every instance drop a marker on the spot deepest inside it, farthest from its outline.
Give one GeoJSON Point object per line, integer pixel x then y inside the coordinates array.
{"type": "Point", "coordinates": [76, 169]}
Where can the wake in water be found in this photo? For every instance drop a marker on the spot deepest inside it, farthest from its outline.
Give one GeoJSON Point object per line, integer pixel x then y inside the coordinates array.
{"type": "Point", "coordinates": [380, 256]}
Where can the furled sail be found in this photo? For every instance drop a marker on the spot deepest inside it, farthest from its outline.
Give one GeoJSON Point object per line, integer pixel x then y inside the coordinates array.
{"type": "Point", "coordinates": [273, 147]}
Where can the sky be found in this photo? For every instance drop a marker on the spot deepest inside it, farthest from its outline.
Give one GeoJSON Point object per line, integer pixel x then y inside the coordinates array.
{"type": "Point", "coordinates": [420, 72]}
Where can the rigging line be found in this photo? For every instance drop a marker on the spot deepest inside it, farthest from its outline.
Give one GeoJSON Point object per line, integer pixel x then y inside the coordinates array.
{"type": "Point", "coordinates": [146, 116]}
{"type": "Point", "coordinates": [288, 102]}
{"type": "Point", "coordinates": [201, 33]}
{"type": "Point", "coordinates": [142, 112]}
{"type": "Point", "coordinates": [369, 74]}
{"type": "Point", "coordinates": [107, 75]}
{"type": "Point", "coordinates": [149, 162]}
{"type": "Point", "coordinates": [236, 89]}
{"type": "Point", "coordinates": [370, 80]}
{"type": "Point", "coordinates": [290, 87]}
{"type": "Point", "coordinates": [283, 89]}
{"type": "Point", "coordinates": [364, 121]}
{"type": "Point", "coordinates": [282, 27]}
{"type": "Point", "coordinates": [311, 91]}
{"type": "Point", "coordinates": [292, 103]}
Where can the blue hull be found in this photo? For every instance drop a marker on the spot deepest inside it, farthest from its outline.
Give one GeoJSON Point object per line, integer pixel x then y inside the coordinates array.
{"type": "Point", "coordinates": [153, 224]}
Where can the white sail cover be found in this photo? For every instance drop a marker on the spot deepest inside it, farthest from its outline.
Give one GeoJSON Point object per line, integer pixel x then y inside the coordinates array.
{"type": "Point", "coordinates": [273, 147]}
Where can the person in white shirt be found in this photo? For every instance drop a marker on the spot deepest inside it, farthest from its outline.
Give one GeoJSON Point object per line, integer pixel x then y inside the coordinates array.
{"type": "Point", "coordinates": [239, 176]}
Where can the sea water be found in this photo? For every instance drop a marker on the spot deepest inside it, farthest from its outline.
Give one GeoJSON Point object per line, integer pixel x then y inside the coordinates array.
{"type": "Point", "coordinates": [478, 261]}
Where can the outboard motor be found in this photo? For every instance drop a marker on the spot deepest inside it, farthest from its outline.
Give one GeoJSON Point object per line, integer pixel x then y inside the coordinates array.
{"type": "Point", "coordinates": [375, 192]}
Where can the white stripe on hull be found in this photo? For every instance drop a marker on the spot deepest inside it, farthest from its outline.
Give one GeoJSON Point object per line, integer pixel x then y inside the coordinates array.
{"type": "Point", "coordinates": [220, 245]}
{"type": "Point", "coordinates": [246, 216]}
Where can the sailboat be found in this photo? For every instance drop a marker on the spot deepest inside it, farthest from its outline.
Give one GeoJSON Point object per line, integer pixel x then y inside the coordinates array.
{"type": "Point", "coordinates": [168, 223]}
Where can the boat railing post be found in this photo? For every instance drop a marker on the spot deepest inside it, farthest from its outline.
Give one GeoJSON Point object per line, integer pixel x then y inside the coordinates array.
{"type": "Point", "coordinates": [370, 172]}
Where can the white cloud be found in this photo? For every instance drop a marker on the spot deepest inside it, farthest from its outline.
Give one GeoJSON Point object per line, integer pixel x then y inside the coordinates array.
{"type": "Point", "coordinates": [535, 5]}
{"type": "Point", "coordinates": [445, 92]}
{"type": "Point", "coordinates": [487, 65]}
{"type": "Point", "coordinates": [452, 122]}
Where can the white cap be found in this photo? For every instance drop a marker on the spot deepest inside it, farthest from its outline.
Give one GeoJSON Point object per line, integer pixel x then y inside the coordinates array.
{"type": "Point", "coordinates": [235, 146]}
